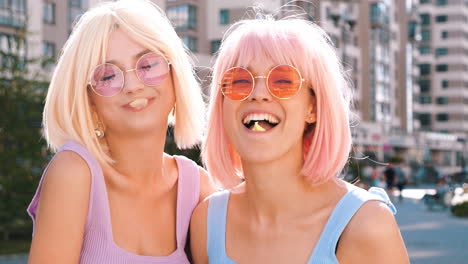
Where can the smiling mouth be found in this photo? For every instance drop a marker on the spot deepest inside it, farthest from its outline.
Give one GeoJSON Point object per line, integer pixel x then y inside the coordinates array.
{"type": "Point", "coordinates": [260, 122]}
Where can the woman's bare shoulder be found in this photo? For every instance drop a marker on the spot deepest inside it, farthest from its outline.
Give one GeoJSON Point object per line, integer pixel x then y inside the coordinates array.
{"type": "Point", "coordinates": [371, 236]}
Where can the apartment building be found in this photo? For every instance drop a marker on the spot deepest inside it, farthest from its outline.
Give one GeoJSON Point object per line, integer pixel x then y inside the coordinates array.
{"type": "Point", "coordinates": [442, 100]}
{"type": "Point", "coordinates": [13, 17]}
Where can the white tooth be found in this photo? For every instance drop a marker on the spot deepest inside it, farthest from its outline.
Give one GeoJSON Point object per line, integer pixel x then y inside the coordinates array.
{"type": "Point", "coordinates": [139, 103]}
{"type": "Point", "coordinates": [274, 120]}
{"type": "Point", "coordinates": [249, 118]}
{"type": "Point", "coordinates": [246, 119]}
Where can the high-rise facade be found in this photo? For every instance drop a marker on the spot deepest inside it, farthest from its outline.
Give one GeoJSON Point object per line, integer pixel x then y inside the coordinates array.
{"type": "Point", "coordinates": [442, 100]}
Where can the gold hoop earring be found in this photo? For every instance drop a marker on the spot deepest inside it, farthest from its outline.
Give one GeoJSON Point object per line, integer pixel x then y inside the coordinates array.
{"type": "Point", "coordinates": [99, 131]}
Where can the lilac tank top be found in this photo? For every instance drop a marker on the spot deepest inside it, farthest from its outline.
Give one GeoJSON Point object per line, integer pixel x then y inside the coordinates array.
{"type": "Point", "coordinates": [98, 242]}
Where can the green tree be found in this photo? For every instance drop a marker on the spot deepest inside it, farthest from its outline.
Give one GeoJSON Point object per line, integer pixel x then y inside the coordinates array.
{"type": "Point", "coordinates": [22, 149]}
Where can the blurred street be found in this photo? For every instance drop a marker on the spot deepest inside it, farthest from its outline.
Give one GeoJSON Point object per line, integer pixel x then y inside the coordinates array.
{"type": "Point", "coordinates": [431, 237]}
{"type": "Point", "coordinates": [14, 259]}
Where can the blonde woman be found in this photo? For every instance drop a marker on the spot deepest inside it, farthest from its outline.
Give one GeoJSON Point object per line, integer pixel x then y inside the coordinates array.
{"type": "Point", "coordinates": [110, 194]}
{"type": "Point", "coordinates": [279, 119]}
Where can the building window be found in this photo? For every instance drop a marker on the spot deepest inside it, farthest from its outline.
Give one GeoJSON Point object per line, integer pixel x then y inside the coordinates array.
{"type": "Point", "coordinates": [425, 35]}
{"type": "Point", "coordinates": [224, 16]}
{"type": "Point", "coordinates": [424, 86]}
{"type": "Point", "coordinates": [412, 30]}
{"type": "Point", "coordinates": [460, 159]}
{"type": "Point", "coordinates": [442, 100]}
{"type": "Point", "coordinates": [444, 34]}
{"type": "Point", "coordinates": [425, 19]}
{"type": "Point", "coordinates": [379, 13]}
{"type": "Point", "coordinates": [441, 67]}
{"type": "Point", "coordinates": [77, 3]}
{"type": "Point", "coordinates": [13, 51]}
{"type": "Point", "coordinates": [443, 117]}
{"type": "Point", "coordinates": [425, 1]}
{"type": "Point", "coordinates": [215, 44]}
{"type": "Point", "coordinates": [444, 84]}
{"type": "Point", "coordinates": [441, 2]}
{"type": "Point", "coordinates": [425, 99]}
{"type": "Point", "coordinates": [184, 17]}
{"type": "Point", "coordinates": [441, 19]}
{"type": "Point", "coordinates": [441, 51]}
{"type": "Point", "coordinates": [13, 13]}
{"type": "Point", "coordinates": [425, 119]}
{"type": "Point", "coordinates": [49, 13]}
{"type": "Point", "coordinates": [75, 10]}
{"type": "Point", "coordinates": [424, 49]}
{"type": "Point", "coordinates": [48, 53]}
{"type": "Point", "coordinates": [191, 43]}
{"type": "Point", "coordinates": [48, 50]}
{"type": "Point", "coordinates": [424, 69]}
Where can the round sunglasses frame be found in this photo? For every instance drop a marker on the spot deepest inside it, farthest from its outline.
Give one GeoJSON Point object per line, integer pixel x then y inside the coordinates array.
{"type": "Point", "coordinates": [121, 72]}
{"type": "Point", "coordinates": [266, 81]}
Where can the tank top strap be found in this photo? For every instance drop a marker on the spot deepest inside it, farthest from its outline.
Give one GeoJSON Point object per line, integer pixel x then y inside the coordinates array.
{"type": "Point", "coordinates": [216, 227]}
{"type": "Point", "coordinates": [94, 169]}
{"type": "Point", "coordinates": [324, 251]}
{"type": "Point", "coordinates": [188, 193]}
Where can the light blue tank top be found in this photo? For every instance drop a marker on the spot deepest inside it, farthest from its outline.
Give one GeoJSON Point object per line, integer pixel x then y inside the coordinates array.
{"type": "Point", "coordinates": [324, 251]}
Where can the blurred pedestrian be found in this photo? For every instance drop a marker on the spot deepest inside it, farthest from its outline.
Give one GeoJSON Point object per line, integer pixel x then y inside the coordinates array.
{"type": "Point", "coordinates": [401, 181]}
{"type": "Point", "coordinates": [390, 174]}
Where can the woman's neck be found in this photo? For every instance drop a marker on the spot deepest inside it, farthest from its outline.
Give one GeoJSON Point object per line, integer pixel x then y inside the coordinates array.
{"type": "Point", "coordinates": [138, 159]}
{"type": "Point", "coordinates": [277, 191]}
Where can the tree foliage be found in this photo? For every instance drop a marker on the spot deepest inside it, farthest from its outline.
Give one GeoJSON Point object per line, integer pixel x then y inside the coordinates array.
{"type": "Point", "coordinates": [22, 151]}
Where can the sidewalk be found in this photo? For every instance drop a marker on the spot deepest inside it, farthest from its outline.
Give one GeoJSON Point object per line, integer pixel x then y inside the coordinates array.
{"type": "Point", "coordinates": [14, 259]}
{"type": "Point", "coordinates": [431, 237]}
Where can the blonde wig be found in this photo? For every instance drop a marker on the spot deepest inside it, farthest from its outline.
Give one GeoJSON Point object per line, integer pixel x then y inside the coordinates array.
{"type": "Point", "coordinates": [68, 114]}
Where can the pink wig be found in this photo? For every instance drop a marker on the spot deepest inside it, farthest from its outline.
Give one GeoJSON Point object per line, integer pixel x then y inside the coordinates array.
{"type": "Point", "coordinates": [300, 43]}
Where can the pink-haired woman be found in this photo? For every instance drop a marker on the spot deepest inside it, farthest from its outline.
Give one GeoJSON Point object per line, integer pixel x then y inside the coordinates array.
{"type": "Point", "coordinates": [279, 120]}
{"type": "Point", "coordinates": [110, 194]}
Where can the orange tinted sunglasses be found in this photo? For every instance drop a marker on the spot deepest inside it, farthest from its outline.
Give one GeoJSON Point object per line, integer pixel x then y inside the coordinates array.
{"type": "Point", "coordinates": [283, 82]}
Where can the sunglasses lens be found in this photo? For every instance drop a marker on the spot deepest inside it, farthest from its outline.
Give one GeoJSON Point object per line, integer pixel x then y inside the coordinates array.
{"type": "Point", "coordinates": [284, 81]}
{"type": "Point", "coordinates": [152, 69]}
{"type": "Point", "coordinates": [107, 80]}
{"type": "Point", "coordinates": [237, 84]}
